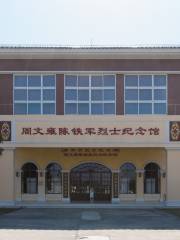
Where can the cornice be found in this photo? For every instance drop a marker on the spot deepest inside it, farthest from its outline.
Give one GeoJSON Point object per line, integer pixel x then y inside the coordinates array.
{"type": "Point", "coordinates": [89, 52]}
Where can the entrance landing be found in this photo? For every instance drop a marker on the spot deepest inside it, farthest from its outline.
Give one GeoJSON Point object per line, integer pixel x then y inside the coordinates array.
{"type": "Point", "coordinates": [91, 205]}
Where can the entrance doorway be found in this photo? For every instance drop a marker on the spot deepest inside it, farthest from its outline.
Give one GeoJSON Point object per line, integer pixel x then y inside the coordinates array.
{"type": "Point", "coordinates": [90, 182]}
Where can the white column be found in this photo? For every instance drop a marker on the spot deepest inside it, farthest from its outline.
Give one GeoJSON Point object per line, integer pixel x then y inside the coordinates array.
{"type": "Point", "coordinates": [7, 186]}
{"type": "Point", "coordinates": [173, 177]}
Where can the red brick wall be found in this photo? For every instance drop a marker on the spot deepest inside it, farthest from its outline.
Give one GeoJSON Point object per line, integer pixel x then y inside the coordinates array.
{"type": "Point", "coordinates": [119, 94]}
{"type": "Point", "coordinates": [60, 94]}
{"type": "Point", "coordinates": [89, 65]}
{"type": "Point", "coordinates": [6, 94]}
{"type": "Point", "coordinates": [174, 94]}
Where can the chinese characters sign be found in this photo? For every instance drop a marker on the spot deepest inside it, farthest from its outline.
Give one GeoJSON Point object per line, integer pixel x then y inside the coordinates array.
{"type": "Point", "coordinates": [93, 132]}
{"type": "Point", "coordinates": [91, 152]}
{"type": "Point", "coordinates": [90, 131]}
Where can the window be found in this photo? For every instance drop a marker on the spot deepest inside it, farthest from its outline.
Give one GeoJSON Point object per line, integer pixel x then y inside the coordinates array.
{"type": "Point", "coordinates": [127, 179]}
{"type": "Point", "coordinates": [145, 94]}
{"type": "Point", "coordinates": [53, 179]}
{"type": "Point", "coordinates": [34, 94]}
{"type": "Point", "coordinates": [152, 178]}
{"type": "Point", "coordinates": [29, 178]}
{"type": "Point", "coordinates": [90, 94]}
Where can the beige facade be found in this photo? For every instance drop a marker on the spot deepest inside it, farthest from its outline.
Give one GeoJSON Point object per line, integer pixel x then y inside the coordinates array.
{"type": "Point", "coordinates": [138, 149]}
{"type": "Point", "coordinates": [125, 151]}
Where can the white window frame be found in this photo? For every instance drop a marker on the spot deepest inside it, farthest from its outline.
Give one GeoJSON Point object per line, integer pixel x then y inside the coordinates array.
{"type": "Point", "coordinates": [41, 88]}
{"type": "Point", "coordinates": [145, 87]}
{"type": "Point", "coordinates": [89, 88]}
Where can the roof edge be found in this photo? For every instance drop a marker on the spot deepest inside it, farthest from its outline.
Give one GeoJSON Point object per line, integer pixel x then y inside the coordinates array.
{"type": "Point", "coordinates": [89, 52]}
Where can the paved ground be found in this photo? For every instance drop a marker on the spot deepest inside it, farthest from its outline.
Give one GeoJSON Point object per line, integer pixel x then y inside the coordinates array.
{"type": "Point", "coordinates": [100, 224]}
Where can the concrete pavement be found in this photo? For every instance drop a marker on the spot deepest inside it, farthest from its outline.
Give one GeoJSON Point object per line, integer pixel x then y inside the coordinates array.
{"type": "Point", "coordinates": [89, 224]}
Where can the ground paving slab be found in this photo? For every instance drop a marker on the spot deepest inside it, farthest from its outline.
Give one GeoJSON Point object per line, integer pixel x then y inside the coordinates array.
{"type": "Point", "coordinates": [89, 224]}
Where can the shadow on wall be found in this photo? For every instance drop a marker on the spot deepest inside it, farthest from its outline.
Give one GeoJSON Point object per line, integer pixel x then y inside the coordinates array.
{"type": "Point", "coordinates": [71, 219]}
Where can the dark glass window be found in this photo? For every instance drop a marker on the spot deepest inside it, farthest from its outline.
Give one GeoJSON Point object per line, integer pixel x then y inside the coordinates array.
{"type": "Point", "coordinates": [83, 81]}
{"type": "Point", "coordinates": [49, 94]}
{"type": "Point", "coordinates": [96, 81]}
{"type": "Point", "coordinates": [97, 108]}
{"type": "Point", "coordinates": [20, 94]}
{"type": "Point", "coordinates": [20, 81]}
{"type": "Point", "coordinates": [93, 94]}
{"type": "Point", "coordinates": [131, 94]}
{"type": "Point", "coordinates": [109, 81]}
{"type": "Point", "coordinates": [97, 95]}
{"type": "Point", "coordinates": [20, 108]}
{"type": "Point", "coordinates": [83, 108]}
{"type": "Point", "coordinates": [145, 108]}
{"type": "Point", "coordinates": [131, 108]}
{"type": "Point", "coordinates": [160, 80]}
{"type": "Point", "coordinates": [83, 95]}
{"type": "Point", "coordinates": [109, 108]}
{"type": "Point", "coordinates": [145, 80]}
{"type": "Point", "coordinates": [109, 94]}
{"type": "Point", "coordinates": [48, 108]}
{"type": "Point", "coordinates": [132, 81]}
{"type": "Point", "coordinates": [34, 94]}
{"type": "Point", "coordinates": [152, 178]}
{"type": "Point", "coordinates": [53, 179]}
{"type": "Point", "coordinates": [71, 108]}
{"type": "Point", "coordinates": [71, 81]}
{"type": "Point", "coordinates": [34, 108]}
{"type": "Point", "coordinates": [160, 108]}
{"type": "Point", "coordinates": [71, 94]}
{"type": "Point", "coordinates": [145, 94]}
{"type": "Point", "coordinates": [49, 81]}
{"type": "Point", "coordinates": [127, 179]}
{"type": "Point", "coordinates": [29, 178]}
{"type": "Point", "coordinates": [160, 94]}
{"type": "Point", "coordinates": [34, 81]}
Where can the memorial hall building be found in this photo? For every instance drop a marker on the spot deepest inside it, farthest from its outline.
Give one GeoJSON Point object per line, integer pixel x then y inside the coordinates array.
{"type": "Point", "coordinates": [88, 125]}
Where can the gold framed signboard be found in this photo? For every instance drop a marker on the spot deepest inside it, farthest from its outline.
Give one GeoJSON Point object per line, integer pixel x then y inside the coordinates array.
{"type": "Point", "coordinates": [174, 131]}
{"type": "Point", "coordinates": [5, 131]}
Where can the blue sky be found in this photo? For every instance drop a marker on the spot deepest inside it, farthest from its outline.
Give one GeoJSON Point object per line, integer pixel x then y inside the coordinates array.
{"type": "Point", "coordinates": [90, 22]}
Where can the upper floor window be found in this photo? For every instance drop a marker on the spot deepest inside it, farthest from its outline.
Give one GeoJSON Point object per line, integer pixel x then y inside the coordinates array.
{"type": "Point", "coordinates": [34, 94]}
{"type": "Point", "coordinates": [145, 94]}
{"type": "Point", "coordinates": [90, 94]}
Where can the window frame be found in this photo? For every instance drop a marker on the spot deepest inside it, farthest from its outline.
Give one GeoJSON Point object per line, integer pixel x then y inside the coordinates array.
{"type": "Point", "coordinates": [153, 88]}
{"type": "Point", "coordinates": [41, 88]}
{"type": "Point", "coordinates": [157, 178]}
{"type": "Point", "coordinates": [51, 179]}
{"type": "Point", "coordinates": [24, 177]}
{"type": "Point", "coordinates": [89, 88]}
{"type": "Point", "coordinates": [124, 170]}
